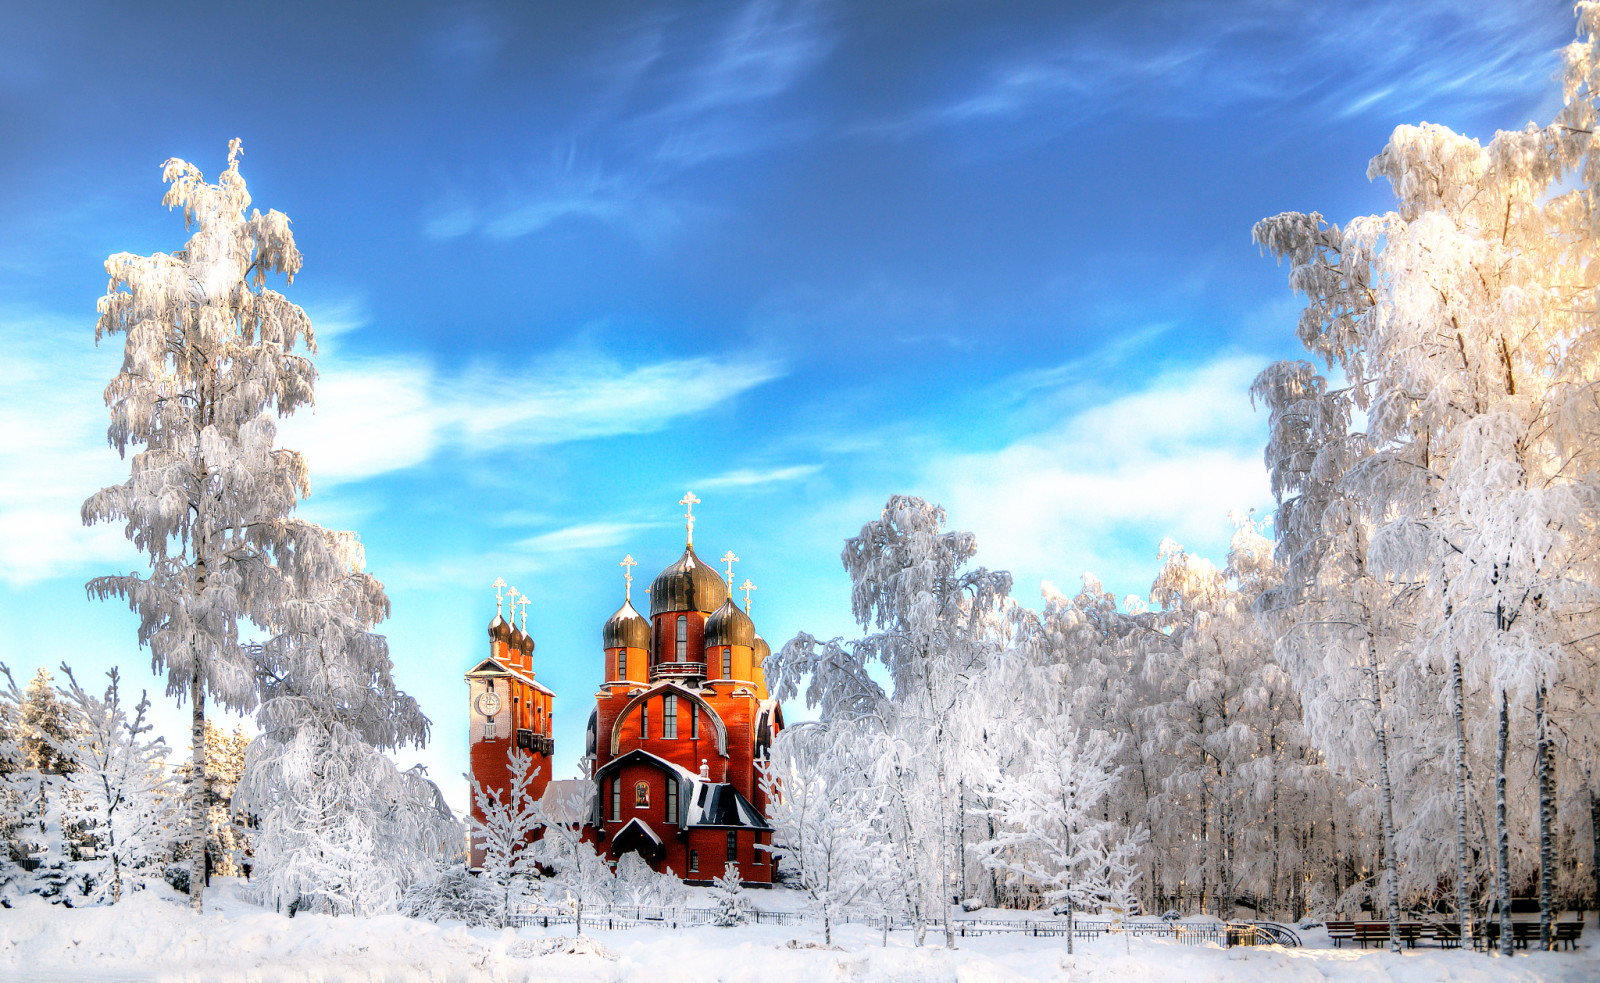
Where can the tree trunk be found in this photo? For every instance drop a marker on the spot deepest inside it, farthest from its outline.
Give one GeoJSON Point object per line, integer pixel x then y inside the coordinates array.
{"type": "Point", "coordinates": [1391, 871]}
{"type": "Point", "coordinates": [1502, 836]}
{"type": "Point", "coordinates": [197, 793]}
{"type": "Point", "coordinates": [1458, 710]}
{"type": "Point", "coordinates": [1546, 821]}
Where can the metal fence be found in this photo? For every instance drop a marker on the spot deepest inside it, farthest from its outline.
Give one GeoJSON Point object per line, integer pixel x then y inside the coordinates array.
{"type": "Point", "coordinates": [645, 916]}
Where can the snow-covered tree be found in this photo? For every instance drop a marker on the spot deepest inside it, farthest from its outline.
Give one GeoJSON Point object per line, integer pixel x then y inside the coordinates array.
{"type": "Point", "coordinates": [1463, 322]}
{"type": "Point", "coordinates": [581, 877]}
{"type": "Point", "coordinates": [638, 885]}
{"type": "Point", "coordinates": [823, 820]}
{"type": "Point", "coordinates": [729, 905]}
{"type": "Point", "coordinates": [118, 791]}
{"type": "Point", "coordinates": [1053, 829]}
{"type": "Point", "coordinates": [209, 358]}
{"type": "Point", "coordinates": [505, 834]}
{"type": "Point", "coordinates": [339, 826]}
{"type": "Point", "coordinates": [932, 624]}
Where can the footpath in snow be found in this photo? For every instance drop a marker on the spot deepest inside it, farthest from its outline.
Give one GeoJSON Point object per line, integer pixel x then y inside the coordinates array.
{"type": "Point", "coordinates": [153, 937]}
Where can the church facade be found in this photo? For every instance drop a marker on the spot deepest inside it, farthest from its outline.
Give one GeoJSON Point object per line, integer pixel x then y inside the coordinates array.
{"type": "Point", "coordinates": [682, 720]}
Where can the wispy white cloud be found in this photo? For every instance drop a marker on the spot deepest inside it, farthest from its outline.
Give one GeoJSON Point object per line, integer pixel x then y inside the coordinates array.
{"type": "Point", "coordinates": [585, 536]}
{"type": "Point", "coordinates": [1098, 491]}
{"type": "Point", "coordinates": [660, 109]}
{"type": "Point", "coordinates": [54, 452]}
{"type": "Point", "coordinates": [374, 415]}
{"type": "Point", "coordinates": [1393, 56]}
{"type": "Point", "coordinates": [753, 478]}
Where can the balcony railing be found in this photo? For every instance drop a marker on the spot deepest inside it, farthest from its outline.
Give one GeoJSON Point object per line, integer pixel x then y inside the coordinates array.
{"type": "Point", "coordinates": [677, 670]}
{"type": "Point", "coordinates": [537, 743]}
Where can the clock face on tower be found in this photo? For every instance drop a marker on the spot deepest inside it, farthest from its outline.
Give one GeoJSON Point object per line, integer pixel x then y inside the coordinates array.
{"type": "Point", "coordinates": [489, 703]}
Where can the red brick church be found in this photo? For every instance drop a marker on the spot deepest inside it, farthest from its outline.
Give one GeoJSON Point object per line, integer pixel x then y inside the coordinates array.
{"type": "Point", "coordinates": [681, 719]}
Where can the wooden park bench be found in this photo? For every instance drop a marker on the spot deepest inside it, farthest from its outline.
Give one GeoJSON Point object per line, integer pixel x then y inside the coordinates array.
{"type": "Point", "coordinates": [1340, 932]}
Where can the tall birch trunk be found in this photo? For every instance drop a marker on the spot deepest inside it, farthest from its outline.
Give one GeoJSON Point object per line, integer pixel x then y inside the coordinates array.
{"type": "Point", "coordinates": [1391, 872]}
{"type": "Point", "coordinates": [197, 794]}
{"type": "Point", "coordinates": [1458, 711]}
{"type": "Point", "coordinates": [1546, 822]}
{"type": "Point", "coordinates": [1501, 835]}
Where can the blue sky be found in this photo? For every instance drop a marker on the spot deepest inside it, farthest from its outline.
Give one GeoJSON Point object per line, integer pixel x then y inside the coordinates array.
{"type": "Point", "coordinates": [567, 261]}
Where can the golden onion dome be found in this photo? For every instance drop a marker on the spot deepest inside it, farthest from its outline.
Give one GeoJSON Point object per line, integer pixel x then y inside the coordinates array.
{"type": "Point", "coordinates": [626, 629]}
{"type": "Point", "coordinates": [687, 585]}
{"type": "Point", "coordinates": [730, 626]}
{"type": "Point", "coordinates": [762, 650]}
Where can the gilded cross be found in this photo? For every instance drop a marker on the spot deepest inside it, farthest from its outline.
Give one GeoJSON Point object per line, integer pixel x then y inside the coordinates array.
{"type": "Point", "coordinates": [511, 593]}
{"type": "Point", "coordinates": [747, 587]}
{"type": "Point", "coordinates": [524, 603]}
{"type": "Point", "coordinates": [627, 565]}
{"type": "Point", "coordinates": [690, 501]}
{"type": "Point", "coordinates": [499, 598]}
{"type": "Point", "coordinates": [730, 560]}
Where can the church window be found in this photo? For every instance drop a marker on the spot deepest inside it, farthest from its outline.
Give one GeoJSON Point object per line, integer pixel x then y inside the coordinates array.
{"type": "Point", "coordinates": [672, 800]}
{"type": "Point", "coordinates": [644, 720]}
{"type": "Point", "coordinates": [641, 795]}
{"type": "Point", "coordinates": [683, 637]}
{"type": "Point", "coordinates": [694, 722]}
{"type": "Point", "coordinates": [669, 717]}
{"type": "Point", "coordinates": [694, 859]}
{"type": "Point", "coordinates": [622, 663]}
{"type": "Point", "coordinates": [616, 799]}
{"type": "Point", "coordinates": [727, 663]}
{"type": "Point", "coordinates": [733, 847]}
{"type": "Point", "coordinates": [488, 729]}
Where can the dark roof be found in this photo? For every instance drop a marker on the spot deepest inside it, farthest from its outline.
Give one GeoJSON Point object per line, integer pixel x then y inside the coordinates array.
{"type": "Point", "coordinates": [721, 805]}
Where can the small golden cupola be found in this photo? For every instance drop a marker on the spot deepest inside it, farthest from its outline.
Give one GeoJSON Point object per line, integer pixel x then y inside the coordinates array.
{"type": "Point", "coordinates": [626, 629]}
{"type": "Point", "coordinates": [730, 626]}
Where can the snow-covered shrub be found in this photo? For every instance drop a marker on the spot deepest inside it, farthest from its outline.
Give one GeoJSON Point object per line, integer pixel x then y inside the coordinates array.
{"type": "Point", "coordinates": [728, 902]}
{"type": "Point", "coordinates": [637, 884]}
{"type": "Point", "coordinates": [454, 893]}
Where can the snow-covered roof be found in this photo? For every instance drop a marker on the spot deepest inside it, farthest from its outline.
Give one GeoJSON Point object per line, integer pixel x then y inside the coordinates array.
{"type": "Point", "coordinates": [493, 667]}
{"type": "Point", "coordinates": [644, 830]}
{"type": "Point", "coordinates": [718, 804]}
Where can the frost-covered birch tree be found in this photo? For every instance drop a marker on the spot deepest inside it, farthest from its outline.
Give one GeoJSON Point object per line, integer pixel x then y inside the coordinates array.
{"type": "Point", "coordinates": [1463, 321]}
{"type": "Point", "coordinates": [209, 358]}
{"type": "Point", "coordinates": [932, 623]}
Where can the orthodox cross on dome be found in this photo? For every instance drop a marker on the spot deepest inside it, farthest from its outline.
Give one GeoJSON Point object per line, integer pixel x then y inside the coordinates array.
{"type": "Point", "coordinates": [524, 603]}
{"type": "Point", "coordinates": [627, 565]}
{"type": "Point", "coordinates": [747, 587]}
{"type": "Point", "coordinates": [499, 598]}
{"type": "Point", "coordinates": [511, 594]}
{"type": "Point", "coordinates": [690, 501]}
{"type": "Point", "coordinates": [730, 560]}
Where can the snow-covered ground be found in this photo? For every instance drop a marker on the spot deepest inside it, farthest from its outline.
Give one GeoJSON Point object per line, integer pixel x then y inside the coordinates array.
{"type": "Point", "coordinates": [153, 937]}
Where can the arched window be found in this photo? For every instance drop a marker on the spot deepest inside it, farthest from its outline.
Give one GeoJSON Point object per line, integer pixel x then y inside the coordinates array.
{"type": "Point", "coordinates": [727, 662]}
{"type": "Point", "coordinates": [694, 860]}
{"type": "Point", "coordinates": [622, 663]}
{"type": "Point", "coordinates": [669, 717]}
{"type": "Point", "coordinates": [616, 799]}
{"type": "Point", "coordinates": [733, 847]}
{"type": "Point", "coordinates": [683, 637]}
{"type": "Point", "coordinates": [672, 800]}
